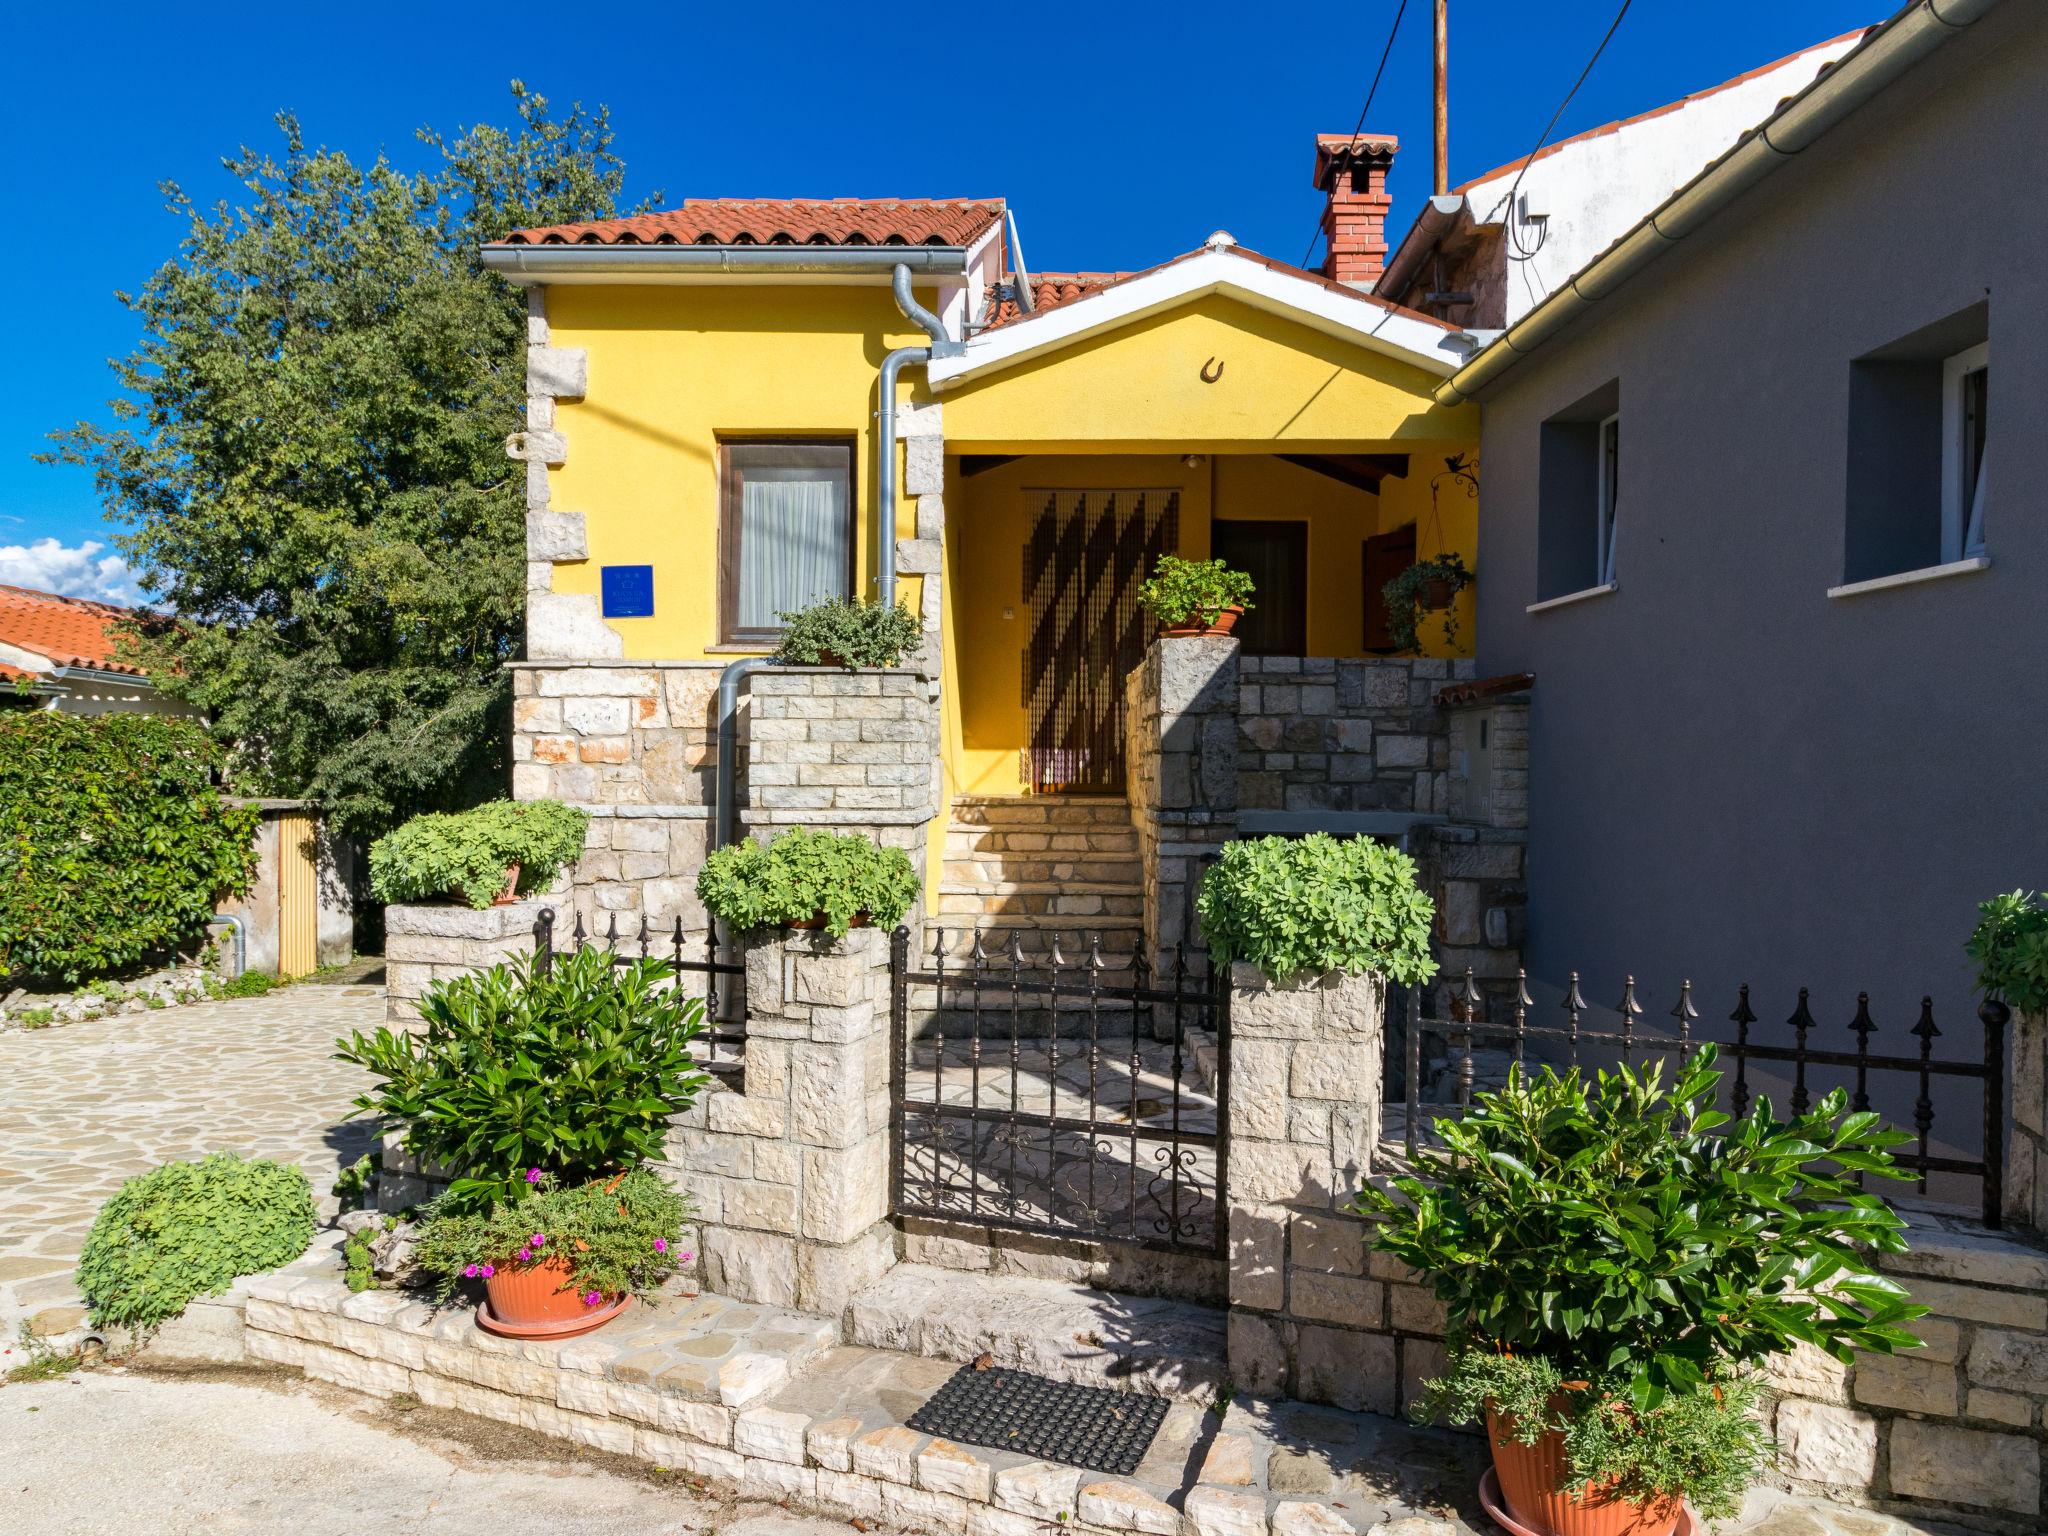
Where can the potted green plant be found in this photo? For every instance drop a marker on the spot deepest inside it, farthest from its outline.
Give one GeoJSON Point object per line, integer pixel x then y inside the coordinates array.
{"type": "Point", "coordinates": [2010, 946]}
{"type": "Point", "coordinates": [848, 632]}
{"type": "Point", "coordinates": [1315, 904]}
{"type": "Point", "coordinates": [557, 1260]}
{"type": "Point", "coordinates": [1195, 597]}
{"type": "Point", "coordinates": [482, 856]}
{"type": "Point", "coordinates": [573, 1068]}
{"type": "Point", "coordinates": [806, 879]}
{"type": "Point", "coordinates": [1430, 585]}
{"type": "Point", "coordinates": [1615, 1259]}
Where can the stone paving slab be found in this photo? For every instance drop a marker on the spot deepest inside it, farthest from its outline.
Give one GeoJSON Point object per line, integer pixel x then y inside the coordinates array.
{"type": "Point", "coordinates": [1095, 1338]}
{"type": "Point", "coordinates": [88, 1106]}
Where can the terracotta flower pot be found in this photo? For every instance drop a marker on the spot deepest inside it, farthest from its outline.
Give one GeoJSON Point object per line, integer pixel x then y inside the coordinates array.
{"type": "Point", "coordinates": [1529, 1478]}
{"type": "Point", "coordinates": [1224, 620]}
{"type": "Point", "coordinates": [510, 893]}
{"type": "Point", "coordinates": [540, 1301]}
{"type": "Point", "coordinates": [1439, 592]}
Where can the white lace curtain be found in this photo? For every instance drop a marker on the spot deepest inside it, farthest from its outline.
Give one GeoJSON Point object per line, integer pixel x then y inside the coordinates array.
{"type": "Point", "coordinates": [793, 542]}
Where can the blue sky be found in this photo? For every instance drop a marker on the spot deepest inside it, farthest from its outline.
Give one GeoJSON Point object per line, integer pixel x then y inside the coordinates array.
{"type": "Point", "coordinates": [1120, 135]}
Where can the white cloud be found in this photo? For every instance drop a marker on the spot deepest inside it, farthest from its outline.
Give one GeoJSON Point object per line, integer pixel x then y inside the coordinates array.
{"type": "Point", "coordinates": [80, 570]}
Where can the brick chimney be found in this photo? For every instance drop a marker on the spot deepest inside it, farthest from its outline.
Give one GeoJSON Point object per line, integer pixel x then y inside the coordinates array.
{"type": "Point", "coordinates": [1352, 173]}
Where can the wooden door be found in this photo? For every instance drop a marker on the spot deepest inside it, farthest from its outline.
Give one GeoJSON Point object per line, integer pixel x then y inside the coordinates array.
{"type": "Point", "coordinates": [1275, 556]}
{"type": "Point", "coordinates": [1387, 555]}
{"type": "Point", "coordinates": [298, 897]}
{"type": "Point", "coordinates": [1087, 553]}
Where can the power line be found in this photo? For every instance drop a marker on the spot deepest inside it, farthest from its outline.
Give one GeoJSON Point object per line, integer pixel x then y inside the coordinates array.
{"type": "Point", "coordinates": [1514, 239]}
{"type": "Point", "coordinates": [1371, 91]}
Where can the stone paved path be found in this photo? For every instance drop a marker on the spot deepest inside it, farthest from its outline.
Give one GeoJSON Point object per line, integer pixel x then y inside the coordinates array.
{"type": "Point", "coordinates": [86, 1106]}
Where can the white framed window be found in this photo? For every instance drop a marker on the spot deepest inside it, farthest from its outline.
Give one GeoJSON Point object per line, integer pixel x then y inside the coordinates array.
{"type": "Point", "coordinates": [1965, 398]}
{"type": "Point", "coordinates": [1608, 485]}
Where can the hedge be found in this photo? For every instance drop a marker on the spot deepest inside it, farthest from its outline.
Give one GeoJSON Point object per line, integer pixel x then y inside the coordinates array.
{"type": "Point", "coordinates": [114, 841]}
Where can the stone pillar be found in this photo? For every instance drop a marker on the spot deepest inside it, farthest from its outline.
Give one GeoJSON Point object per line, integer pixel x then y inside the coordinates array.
{"type": "Point", "coordinates": [1312, 1315]}
{"type": "Point", "coordinates": [1180, 726]}
{"type": "Point", "coordinates": [425, 944]}
{"type": "Point", "coordinates": [2026, 1146]}
{"type": "Point", "coordinates": [790, 1174]}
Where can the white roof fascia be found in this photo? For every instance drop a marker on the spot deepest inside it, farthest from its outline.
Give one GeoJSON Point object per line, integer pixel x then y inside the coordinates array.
{"type": "Point", "coordinates": [1368, 323]}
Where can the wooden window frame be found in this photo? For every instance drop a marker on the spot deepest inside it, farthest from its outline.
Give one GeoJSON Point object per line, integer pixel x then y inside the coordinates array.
{"type": "Point", "coordinates": [775, 453]}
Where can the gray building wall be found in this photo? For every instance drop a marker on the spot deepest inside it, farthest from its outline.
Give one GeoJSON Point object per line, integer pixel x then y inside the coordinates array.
{"type": "Point", "coordinates": [1732, 776]}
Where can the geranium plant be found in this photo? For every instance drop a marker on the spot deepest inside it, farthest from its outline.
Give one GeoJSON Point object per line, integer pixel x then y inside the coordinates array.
{"type": "Point", "coordinates": [800, 875]}
{"type": "Point", "coordinates": [575, 1069]}
{"type": "Point", "coordinates": [467, 853]}
{"type": "Point", "coordinates": [1432, 584]}
{"type": "Point", "coordinates": [1315, 904]}
{"type": "Point", "coordinates": [848, 632]}
{"type": "Point", "coordinates": [1186, 593]}
{"type": "Point", "coordinates": [1616, 1258]}
{"type": "Point", "coordinates": [618, 1237]}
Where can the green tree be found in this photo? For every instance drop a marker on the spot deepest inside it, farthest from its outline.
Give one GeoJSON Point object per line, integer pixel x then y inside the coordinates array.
{"type": "Point", "coordinates": [308, 454]}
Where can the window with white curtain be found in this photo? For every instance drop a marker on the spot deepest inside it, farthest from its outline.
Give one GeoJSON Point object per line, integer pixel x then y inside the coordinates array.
{"type": "Point", "coordinates": [787, 535]}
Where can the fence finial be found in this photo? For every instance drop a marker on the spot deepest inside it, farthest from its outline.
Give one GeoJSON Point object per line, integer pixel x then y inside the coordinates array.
{"type": "Point", "coordinates": [1684, 1012]}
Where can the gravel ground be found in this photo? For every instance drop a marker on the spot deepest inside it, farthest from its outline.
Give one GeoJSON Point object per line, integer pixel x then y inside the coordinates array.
{"type": "Point", "coordinates": [226, 1452]}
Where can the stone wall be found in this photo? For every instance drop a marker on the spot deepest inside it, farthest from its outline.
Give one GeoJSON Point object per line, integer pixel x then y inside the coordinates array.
{"type": "Point", "coordinates": [2026, 1153]}
{"type": "Point", "coordinates": [1321, 734]}
{"type": "Point", "coordinates": [438, 942]}
{"type": "Point", "coordinates": [790, 1174]}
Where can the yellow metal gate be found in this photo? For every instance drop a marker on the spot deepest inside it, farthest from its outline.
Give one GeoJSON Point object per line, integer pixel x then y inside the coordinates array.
{"type": "Point", "coordinates": [298, 905]}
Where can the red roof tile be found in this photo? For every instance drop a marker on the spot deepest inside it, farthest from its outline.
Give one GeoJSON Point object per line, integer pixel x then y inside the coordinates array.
{"type": "Point", "coordinates": [786, 221]}
{"type": "Point", "coordinates": [71, 631]}
{"type": "Point", "coordinates": [1052, 290]}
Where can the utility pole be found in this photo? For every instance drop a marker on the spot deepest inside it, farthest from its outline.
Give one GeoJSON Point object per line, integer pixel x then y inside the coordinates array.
{"type": "Point", "coordinates": [1442, 165]}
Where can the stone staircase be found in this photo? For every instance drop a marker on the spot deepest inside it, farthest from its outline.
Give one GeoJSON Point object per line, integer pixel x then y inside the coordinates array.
{"type": "Point", "coordinates": [1043, 866]}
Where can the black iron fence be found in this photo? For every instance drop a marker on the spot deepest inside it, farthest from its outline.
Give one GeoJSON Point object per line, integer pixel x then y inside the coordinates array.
{"type": "Point", "coordinates": [1468, 1035]}
{"type": "Point", "coordinates": [1068, 1095]}
{"type": "Point", "coordinates": [724, 1039]}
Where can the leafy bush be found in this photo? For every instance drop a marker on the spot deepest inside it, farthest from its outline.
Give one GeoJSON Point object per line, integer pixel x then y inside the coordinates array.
{"type": "Point", "coordinates": [1637, 1240]}
{"type": "Point", "coordinates": [799, 874]}
{"type": "Point", "coordinates": [1315, 904]}
{"type": "Point", "coordinates": [1404, 597]}
{"type": "Point", "coordinates": [575, 1070]}
{"type": "Point", "coordinates": [1181, 592]}
{"type": "Point", "coordinates": [848, 632]}
{"type": "Point", "coordinates": [2010, 946]}
{"type": "Point", "coordinates": [618, 1237]}
{"type": "Point", "coordinates": [249, 984]}
{"type": "Point", "coordinates": [114, 841]}
{"type": "Point", "coordinates": [466, 853]}
{"type": "Point", "coordinates": [190, 1229]}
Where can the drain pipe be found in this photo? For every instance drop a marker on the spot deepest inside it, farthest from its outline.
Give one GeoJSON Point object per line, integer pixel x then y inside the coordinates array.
{"type": "Point", "coordinates": [724, 808]}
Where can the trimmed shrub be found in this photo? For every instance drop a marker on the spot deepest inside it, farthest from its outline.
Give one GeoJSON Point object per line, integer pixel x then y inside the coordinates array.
{"type": "Point", "coordinates": [1316, 904]}
{"type": "Point", "coordinates": [848, 632]}
{"type": "Point", "coordinates": [114, 841]}
{"type": "Point", "coordinates": [801, 873]}
{"type": "Point", "coordinates": [191, 1229]}
{"type": "Point", "coordinates": [466, 853]}
{"type": "Point", "coordinates": [574, 1071]}
{"type": "Point", "coordinates": [2010, 946]}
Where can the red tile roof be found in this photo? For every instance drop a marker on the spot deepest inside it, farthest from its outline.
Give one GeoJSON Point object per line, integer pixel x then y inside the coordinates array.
{"type": "Point", "coordinates": [786, 221]}
{"type": "Point", "coordinates": [1052, 290]}
{"type": "Point", "coordinates": [71, 631]}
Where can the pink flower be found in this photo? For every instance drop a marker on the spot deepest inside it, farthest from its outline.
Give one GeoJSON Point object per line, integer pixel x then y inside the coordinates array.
{"type": "Point", "coordinates": [536, 1240]}
{"type": "Point", "coordinates": [661, 1245]}
{"type": "Point", "coordinates": [487, 1271]}
{"type": "Point", "coordinates": [533, 1175]}
{"type": "Point", "coordinates": [591, 1298]}
{"type": "Point", "coordinates": [684, 1258]}
{"type": "Point", "coordinates": [526, 1255]}
{"type": "Point", "coordinates": [469, 1273]}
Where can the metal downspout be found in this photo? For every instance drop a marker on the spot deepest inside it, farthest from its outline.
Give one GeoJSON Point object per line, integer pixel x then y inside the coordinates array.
{"type": "Point", "coordinates": [724, 810]}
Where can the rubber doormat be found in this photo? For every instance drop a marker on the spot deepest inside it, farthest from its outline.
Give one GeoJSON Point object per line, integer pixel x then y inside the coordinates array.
{"type": "Point", "coordinates": [1090, 1427]}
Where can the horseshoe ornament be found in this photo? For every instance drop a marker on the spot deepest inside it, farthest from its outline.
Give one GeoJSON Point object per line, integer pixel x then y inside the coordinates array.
{"type": "Point", "coordinates": [1209, 377]}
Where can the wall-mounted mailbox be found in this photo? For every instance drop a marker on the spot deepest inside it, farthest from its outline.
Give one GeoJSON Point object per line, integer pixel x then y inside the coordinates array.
{"type": "Point", "coordinates": [628, 591]}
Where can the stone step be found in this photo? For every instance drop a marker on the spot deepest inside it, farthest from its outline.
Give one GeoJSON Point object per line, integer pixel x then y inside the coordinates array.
{"type": "Point", "coordinates": [1048, 900]}
{"type": "Point", "coordinates": [1094, 868]}
{"type": "Point", "coordinates": [1039, 842]}
{"type": "Point", "coordinates": [1134, 1344]}
{"type": "Point", "coordinates": [1028, 810]}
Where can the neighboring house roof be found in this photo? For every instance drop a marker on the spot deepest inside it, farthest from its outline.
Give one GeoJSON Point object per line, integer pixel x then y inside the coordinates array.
{"type": "Point", "coordinates": [843, 221]}
{"type": "Point", "coordinates": [61, 631]}
{"type": "Point", "coordinates": [1220, 266]}
{"type": "Point", "coordinates": [1049, 290]}
{"type": "Point", "coordinates": [1886, 54]}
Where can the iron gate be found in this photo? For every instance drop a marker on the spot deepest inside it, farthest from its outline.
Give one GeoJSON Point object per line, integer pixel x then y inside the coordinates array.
{"type": "Point", "coordinates": [1065, 1094]}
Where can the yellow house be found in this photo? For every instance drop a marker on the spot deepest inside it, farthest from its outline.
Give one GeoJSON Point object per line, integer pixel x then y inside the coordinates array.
{"type": "Point", "coordinates": [737, 407]}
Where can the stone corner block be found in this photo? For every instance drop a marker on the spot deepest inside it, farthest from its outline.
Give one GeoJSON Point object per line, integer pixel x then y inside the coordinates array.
{"type": "Point", "coordinates": [556, 536]}
{"type": "Point", "coordinates": [569, 626]}
{"type": "Point", "coordinates": [537, 447]}
{"type": "Point", "coordinates": [563, 372]}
